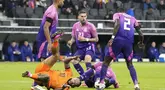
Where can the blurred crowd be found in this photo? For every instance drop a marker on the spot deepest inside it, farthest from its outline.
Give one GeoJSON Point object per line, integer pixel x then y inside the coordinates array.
{"type": "Point", "coordinates": [23, 51]}
{"type": "Point", "coordinates": [141, 9]}
{"type": "Point", "coordinates": [97, 9]}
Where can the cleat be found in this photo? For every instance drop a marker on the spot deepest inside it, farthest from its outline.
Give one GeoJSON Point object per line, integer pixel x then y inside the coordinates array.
{"type": "Point", "coordinates": [116, 85]}
{"type": "Point", "coordinates": [25, 74]}
{"type": "Point", "coordinates": [57, 34]}
{"type": "Point", "coordinates": [137, 88]}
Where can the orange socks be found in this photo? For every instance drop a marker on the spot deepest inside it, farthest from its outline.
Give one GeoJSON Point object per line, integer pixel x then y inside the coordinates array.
{"type": "Point", "coordinates": [55, 44]}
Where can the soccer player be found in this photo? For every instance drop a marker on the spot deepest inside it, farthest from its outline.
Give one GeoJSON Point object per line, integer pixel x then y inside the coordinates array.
{"type": "Point", "coordinates": [44, 76]}
{"type": "Point", "coordinates": [85, 35]}
{"type": "Point", "coordinates": [121, 41]}
{"type": "Point", "coordinates": [92, 74]}
{"type": "Point", "coordinates": [47, 28]}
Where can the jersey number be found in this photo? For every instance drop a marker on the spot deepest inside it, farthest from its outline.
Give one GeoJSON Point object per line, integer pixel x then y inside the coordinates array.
{"type": "Point", "coordinates": [127, 23]}
{"type": "Point", "coordinates": [81, 34]}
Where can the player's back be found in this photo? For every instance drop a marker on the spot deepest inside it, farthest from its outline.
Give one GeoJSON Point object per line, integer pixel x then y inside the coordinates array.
{"type": "Point", "coordinates": [51, 12]}
{"type": "Point", "coordinates": [126, 29]}
{"type": "Point", "coordinates": [59, 78]}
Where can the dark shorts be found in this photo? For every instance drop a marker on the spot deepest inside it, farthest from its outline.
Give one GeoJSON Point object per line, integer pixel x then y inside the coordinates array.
{"type": "Point", "coordinates": [90, 50]}
{"type": "Point", "coordinates": [118, 47]}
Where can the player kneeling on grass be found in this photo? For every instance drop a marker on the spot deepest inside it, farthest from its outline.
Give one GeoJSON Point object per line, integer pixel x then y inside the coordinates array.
{"type": "Point", "coordinates": [44, 76]}
{"type": "Point", "coordinates": [91, 76]}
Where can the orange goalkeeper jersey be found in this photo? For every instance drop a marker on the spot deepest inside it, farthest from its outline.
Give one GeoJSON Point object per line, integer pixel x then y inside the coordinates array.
{"type": "Point", "coordinates": [59, 78]}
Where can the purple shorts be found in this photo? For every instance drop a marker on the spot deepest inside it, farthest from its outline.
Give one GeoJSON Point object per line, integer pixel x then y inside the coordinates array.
{"type": "Point", "coordinates": [42, 49]}
{"type": "Point", "coordinates": [90, 50]}
{"type": "Point", "coordinates": [118, 47]}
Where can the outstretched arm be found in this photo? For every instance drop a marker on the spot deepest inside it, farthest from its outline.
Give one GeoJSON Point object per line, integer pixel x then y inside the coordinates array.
{"type": "Point", "coordinates": [67, 61]}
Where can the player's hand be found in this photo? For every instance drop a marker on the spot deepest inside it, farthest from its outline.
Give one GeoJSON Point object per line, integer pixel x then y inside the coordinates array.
{"type": "Point", "coordinates": [49, 47]}
{"type": "Point", "coordinates": [110, 42]}
{"type": "Point", "coordinates": [80, 38]}
{"type": "Point", "coordinates": [76, 58]}
{"type": "Point", "coordinates": [66, 87]}
{"type": "Point", "coordinates": [69, 43]}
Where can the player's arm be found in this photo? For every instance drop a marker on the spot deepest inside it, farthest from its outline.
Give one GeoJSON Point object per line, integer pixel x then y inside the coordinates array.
{"type": "Point", "coordinates": [46, 28]}
{"type": "Point", "coordinates": [68, 60]}
{"type": "Point", "coordinates": [116, 27]}
{"type": "Point", "coordinates": [70, 42]}
{"type": "Point", "coordinates": [141, 36]}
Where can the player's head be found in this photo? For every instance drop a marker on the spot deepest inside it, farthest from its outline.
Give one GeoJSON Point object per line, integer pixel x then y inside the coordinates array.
{"type": "Point", "coordinates": [82, 16]}
{"type": "Point", "coordinates": [121, 10]}
{"type": "Point", "coordinates": [59, 2]}
{"type": "Point", "coordinates": [74, 82]}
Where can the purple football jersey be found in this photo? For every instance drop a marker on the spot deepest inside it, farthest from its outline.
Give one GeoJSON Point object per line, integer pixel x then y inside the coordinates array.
{"type": "Point", "coordinates": [127, 27]}
{"type": "Point", "coordinates": [87, 31]}
{"type": "Point", "coordinates": [52, 13]}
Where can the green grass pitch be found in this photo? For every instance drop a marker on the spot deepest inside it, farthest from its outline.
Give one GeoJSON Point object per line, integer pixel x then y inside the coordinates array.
{"type": "Point", "coordinates": [151, 75]}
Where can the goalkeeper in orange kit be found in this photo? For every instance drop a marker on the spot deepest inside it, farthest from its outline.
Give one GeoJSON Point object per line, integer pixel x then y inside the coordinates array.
{"type": "Point", "coordinates": [54, 79]}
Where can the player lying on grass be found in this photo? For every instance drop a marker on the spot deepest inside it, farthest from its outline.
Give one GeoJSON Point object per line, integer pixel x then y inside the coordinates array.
{"type": "Point", "coordinates": [44, 76]}
{"type": "Point", "coordinates": [91, 75]}
{"type": "Point", "coordinates": [51, 78]}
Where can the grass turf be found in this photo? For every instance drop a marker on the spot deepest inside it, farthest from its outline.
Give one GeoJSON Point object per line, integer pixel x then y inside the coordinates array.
{"type": "Point", "coordinates": [151, 75]}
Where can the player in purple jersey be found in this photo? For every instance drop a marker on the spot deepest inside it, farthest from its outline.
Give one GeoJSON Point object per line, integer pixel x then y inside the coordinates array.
{"type": "Point", "coordinates": [121, 41]}
{"type": "Point", "coordinates": [84, 34]}
{"type": "Point", "coordinates": [92, 74]}
{"type": "Point", "coordinates": [47, 28]}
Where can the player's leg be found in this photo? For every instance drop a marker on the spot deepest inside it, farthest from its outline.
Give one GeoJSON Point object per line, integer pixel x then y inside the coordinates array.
{"type": "Point", "coordinates": [128, 54]}
{"type": "Point", "coordinates": [111, 81]}
{"type": "Point", "coordinates": [76, 64]}
{"type": "Point", "coordinates": [50, 61]}
{"type": "Point", "coordinates": [89, 56]}
{"type": "Point", "coordinates": [86, 75]}
{"type": "Point", "coordinates": [42, 50]}
{"type": "Point", "coordinates": [113, 51]}
{"type": "Point", "coordinates": [41, 78]}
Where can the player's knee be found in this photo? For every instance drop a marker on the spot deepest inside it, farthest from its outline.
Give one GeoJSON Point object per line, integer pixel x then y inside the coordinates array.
{"type": "Point", "coordinates": [88, 58]}
{"type": "Point", "coordinates": [107, 61]}
{"type": "Point", "coordinates": [129, 64]}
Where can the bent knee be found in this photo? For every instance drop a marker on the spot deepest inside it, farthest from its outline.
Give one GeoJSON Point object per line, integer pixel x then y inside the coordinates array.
{"type": "Point", "coordinates": [88, 58]}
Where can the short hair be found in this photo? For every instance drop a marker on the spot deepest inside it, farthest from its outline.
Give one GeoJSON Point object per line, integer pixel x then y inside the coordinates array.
{"type": "Point", "coordinates": [73, 85]}
{"type": "Point", "coordinates": [82, 11]}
